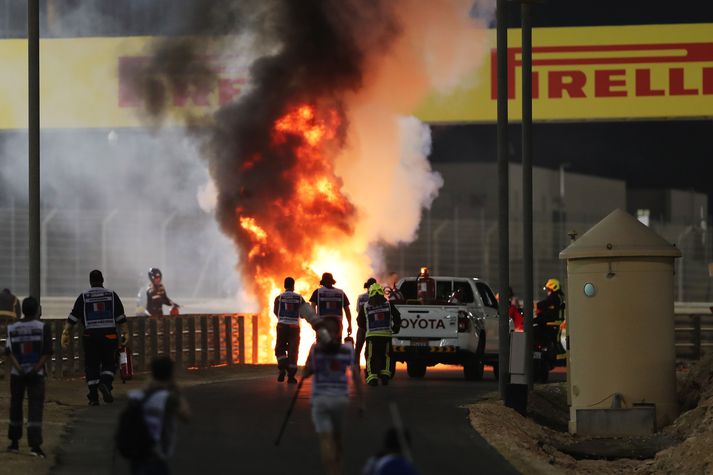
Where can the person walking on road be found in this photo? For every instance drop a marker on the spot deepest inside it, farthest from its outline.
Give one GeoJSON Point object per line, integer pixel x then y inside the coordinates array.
{"type": "Point", "coordinates": [9, 305]}
{"type": "Point", "coordinates": [381, 320]}
{"type": "Point", "coordinates": [162, 405]}
{"type": "Point", "coordinates": [156, 296]}
{"type": "Point", "coordinates": [361, 330]}
{"type": "Point", "coordinates": [287, 309]}
{"type": "Point", "coordinates": [328, 361]}
{"type": "Point", "coordinates": [331, 304]}
{"type": "Point", "coordinates": [29, 345]}
{"type": "Point", "coordinates": [102, 316]}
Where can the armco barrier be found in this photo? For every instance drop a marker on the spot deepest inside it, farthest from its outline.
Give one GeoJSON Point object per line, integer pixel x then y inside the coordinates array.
{"type": "Point", "coordinates": [192, 341]}
{"type": "Point", "coordinates": [694, 333]}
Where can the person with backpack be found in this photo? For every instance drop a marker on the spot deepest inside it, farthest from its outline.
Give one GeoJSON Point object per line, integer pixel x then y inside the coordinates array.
{"type": "Point", "coordinates": [147, 426]}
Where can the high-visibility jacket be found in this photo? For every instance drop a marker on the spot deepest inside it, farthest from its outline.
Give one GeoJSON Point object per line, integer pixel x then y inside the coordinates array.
{"type": "Point", "coordinates": [27, 341]}
{"type": "Point", "coordinates": [330, 370]}
{"type": "Point", "coordinates": [287, 308]}
{"type": "Point", "coordinates": [378, 319]}
{"type": "Point", "coordinates": [331, 302]}
{"type": "Point", "coordinates": [100, 310]}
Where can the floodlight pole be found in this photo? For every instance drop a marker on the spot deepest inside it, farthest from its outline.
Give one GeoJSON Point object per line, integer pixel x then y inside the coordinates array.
{"type": "Point", "coordinates": [33, 129]}
{"type": "Point", "coordinates": [527, 240]}
{"type": "Point", "coordinates": [503, 198]}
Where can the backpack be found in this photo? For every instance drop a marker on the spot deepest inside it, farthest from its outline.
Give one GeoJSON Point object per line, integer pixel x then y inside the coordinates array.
{"type": "Point", "coordinates": [133, 439]}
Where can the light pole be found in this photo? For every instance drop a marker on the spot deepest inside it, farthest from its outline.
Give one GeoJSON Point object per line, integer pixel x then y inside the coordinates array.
{"type": "Point", "coordinates": [503, 198]}
{"type": "Point", "coordinates": [33, 129]}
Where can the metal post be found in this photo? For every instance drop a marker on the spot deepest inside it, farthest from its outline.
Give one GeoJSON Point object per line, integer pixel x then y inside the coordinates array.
{"type": "Point", "coordinates": [104, 238]}
{"type": "Point", "coordinates": [43, 248]}
{"type": "Point", "coordinates": [33, 128]}
{"type": "Point", "coordinates": [503, 198]}
{"type": "Point", "coordinates": [456, 243]}
{"type": "Point", "coordinates": [164, 231]}
{"type": "Point", "coordinates": [527, 240]}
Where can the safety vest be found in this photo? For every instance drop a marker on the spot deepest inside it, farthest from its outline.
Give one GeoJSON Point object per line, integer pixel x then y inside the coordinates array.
{"type": "Point", "coordinates": [330, 302]}
{"type": "Point", "coordinates": [378, 319]}
{"type": "Point", "coordinates": [25, 339]}
{"type": "Point", "coordinates": [330, 370]}
{"type": "Point", "coordinates": [361, 300]}
{"type": "Point", "coordinates": [288, 312]}
{"type": "Point", "coordinates": [99, 309]}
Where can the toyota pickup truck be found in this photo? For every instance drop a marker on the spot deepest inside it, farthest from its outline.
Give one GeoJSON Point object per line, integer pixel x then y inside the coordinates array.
{"type": "Point", "coordinates": [460, 327]}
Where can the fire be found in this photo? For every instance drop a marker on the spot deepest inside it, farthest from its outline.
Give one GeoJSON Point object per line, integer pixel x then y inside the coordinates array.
{"type": "Point", "coordinates": [307, 228]}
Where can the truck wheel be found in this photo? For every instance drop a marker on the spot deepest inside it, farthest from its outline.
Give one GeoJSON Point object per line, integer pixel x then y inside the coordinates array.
{"type": "Point", "coordinates": [415, 369]}
{"type": "Point", "coordinates": [473, 370]}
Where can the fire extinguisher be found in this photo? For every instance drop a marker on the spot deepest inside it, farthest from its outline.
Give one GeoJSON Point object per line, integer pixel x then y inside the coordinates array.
{"type": "Point", "coordinates": [126, 368]}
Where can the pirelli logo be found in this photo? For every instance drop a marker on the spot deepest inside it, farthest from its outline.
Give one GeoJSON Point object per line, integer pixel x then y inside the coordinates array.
{"type": "Point", "coordinates": [616, 70]}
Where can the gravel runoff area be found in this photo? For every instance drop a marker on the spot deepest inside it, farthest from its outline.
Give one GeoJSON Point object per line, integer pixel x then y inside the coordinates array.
{"type": "Point", "coordinates": [65, 396]}
{"type": "Point", "coordinates": [539, 444]}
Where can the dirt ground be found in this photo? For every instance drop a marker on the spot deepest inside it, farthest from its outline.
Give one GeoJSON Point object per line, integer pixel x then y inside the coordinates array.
{"type": "Point", "coordinates": [531, 444]}
{"type": "Point", "coordinates": [64, 397]}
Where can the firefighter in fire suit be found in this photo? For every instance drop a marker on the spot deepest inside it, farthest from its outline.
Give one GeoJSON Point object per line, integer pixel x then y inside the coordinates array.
{"type": "Point", "coordinates": [425, 287]}
{"type": "Point", "coordinates": [287, 310]}
{"type": "Point", "coordinates": [381, 320]}
{"type": "Point", "coordinates": [101, 314]}
{"type": "Point", "coordinates": [330, 304]}
{"type": "Point", "coordinates": [550, 309]}
{"type": "Point", "coordinates": [361, 331]}
{"type": "Point", "coordinates": [156, 296]}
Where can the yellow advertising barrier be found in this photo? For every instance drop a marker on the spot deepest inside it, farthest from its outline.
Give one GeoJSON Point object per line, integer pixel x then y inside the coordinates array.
{"type": "Point", "coordinates": [628, 72]}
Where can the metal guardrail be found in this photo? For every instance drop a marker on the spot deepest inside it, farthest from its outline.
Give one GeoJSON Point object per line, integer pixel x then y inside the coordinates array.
{"type": "Point", "coordinates": [694, 332]}
{"type": "Point", "coordinates": [192, 341]}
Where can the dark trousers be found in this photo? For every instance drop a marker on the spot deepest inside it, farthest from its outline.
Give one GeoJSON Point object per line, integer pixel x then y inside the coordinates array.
{"type": "Point", "coordinates": [152, 466]}
{"type": "Point", "coordinates": [99, 361]}
{"type": "Point", "coordinates": [35, 386]}
{"type": "Point", "coordinates": [378, 357]}
{"type": "Point", "coordinates": [361, 338]}
{"type": "Point", "coordinates": [287, 348]}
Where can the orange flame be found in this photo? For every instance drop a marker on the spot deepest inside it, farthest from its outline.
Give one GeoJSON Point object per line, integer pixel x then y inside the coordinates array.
{"type": "Point", "coordinates": [306, 231]}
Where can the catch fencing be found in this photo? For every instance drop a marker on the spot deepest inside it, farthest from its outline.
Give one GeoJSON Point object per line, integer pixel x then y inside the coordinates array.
{"type": "Point", "coordinates": [192, 341]}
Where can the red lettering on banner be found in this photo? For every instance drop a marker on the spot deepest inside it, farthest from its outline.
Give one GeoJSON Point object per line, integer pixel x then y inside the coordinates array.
{"type": "Point", "coordinates": [643, 84]}
{"type": "Point", "coordinates": [128, 69]}
{"type": "Point", "coordinates": [707, 80]}
{"type": "Point", "coordinates": [535, 85]}
{"type": "Point", "coordinates": [198, 97]}
{"type": "Point", "coordinates": [677, 86]}
{"type": "Point", "coordinates": [571, 81]}
{"type": "Point", "coordinates": [605, 80]}
{"type": "Point", "coordinates": [229, 89]}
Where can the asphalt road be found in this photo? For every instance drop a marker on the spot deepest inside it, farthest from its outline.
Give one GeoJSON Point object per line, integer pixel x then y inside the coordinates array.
{"type": "Point", "coordinates": [235, 423]}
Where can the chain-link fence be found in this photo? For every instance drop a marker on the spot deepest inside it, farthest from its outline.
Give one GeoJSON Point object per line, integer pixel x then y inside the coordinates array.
{"type": "Point", "coordinates": [196, 260]}
{"type": "Point", "coordinates": [199, 262]}
{"type": "Point", "coordinates": [469, 247]}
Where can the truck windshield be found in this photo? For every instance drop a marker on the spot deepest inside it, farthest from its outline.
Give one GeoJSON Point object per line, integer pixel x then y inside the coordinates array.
{"type": "Point", "coordinates": [487, 295]}
{"type": "Point", "coordinates": [408, 290]}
